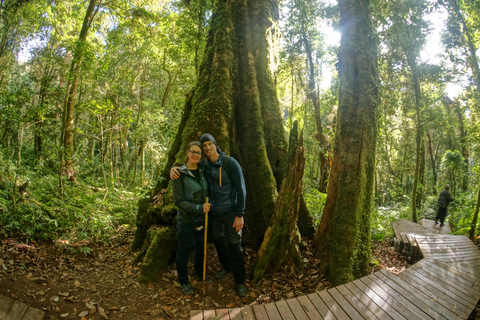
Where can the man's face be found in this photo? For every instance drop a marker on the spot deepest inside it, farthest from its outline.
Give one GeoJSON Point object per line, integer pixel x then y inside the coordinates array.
{"type": "Point", "coordinates": [210, 149]}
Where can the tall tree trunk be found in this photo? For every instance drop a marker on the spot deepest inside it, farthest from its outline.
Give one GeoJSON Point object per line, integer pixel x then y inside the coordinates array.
{"type": "Point", "coordinates": [418, 133]}
{"type": "Point", "coordinates": [475, 216]}
{"type": "Point", "coordinates": [463, 143]}
{"type": "Point", "coordinates": [69, 110]}
{"type": "Point", "coordinates": [312, 95]}
{"type": "Point", "coordinates": [280, 245]}
{"type": "Point", "coordinates": [234, 100]}
{"type": "Point", "coordinates": [433, 163]}
{"type": "Point", "coordinates": [343, 237]}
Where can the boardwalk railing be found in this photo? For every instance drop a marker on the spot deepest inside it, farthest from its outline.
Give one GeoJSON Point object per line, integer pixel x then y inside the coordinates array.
{"type": "Point", "coordinates": [445, 284]}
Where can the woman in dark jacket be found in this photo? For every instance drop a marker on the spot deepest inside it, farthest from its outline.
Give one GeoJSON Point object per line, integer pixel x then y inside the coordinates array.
{"type": "Point", "coordinates": [189, 194]}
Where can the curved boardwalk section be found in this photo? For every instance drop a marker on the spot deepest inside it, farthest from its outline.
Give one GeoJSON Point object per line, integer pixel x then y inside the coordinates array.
{"type": "Point", "coordinates": [445, 284]}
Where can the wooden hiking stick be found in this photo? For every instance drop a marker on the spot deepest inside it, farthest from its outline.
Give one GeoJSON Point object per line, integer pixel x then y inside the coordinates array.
{"type": "Point", "coordinates": [205, 248]}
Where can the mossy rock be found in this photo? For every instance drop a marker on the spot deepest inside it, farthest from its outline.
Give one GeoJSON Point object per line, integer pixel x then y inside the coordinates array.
{"type": "Point", "coordinates": [162, 244]}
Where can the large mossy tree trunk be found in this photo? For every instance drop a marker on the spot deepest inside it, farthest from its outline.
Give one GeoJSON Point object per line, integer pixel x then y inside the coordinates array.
{"type": "Point", "coordinates": [280, 245]}
{"type": "Point", "coordinates": [235, 101]}
{"type": "Point", "coordinates": [343, 237]}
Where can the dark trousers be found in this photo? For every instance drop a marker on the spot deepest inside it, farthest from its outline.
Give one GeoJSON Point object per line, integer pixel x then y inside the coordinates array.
{"type": "Point", "coordinates": [189, 239]}
{"type": "Point", "coordinates": [441, 215]}
{"type": "Point", "coordinates": [228, 244]}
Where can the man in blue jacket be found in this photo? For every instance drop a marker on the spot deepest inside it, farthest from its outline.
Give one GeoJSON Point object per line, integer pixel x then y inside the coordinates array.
{"type": "Point", "coordinates": [226, 190]}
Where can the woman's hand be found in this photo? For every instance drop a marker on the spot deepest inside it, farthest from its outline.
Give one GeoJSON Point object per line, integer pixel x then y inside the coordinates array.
{"type": "Point", "coordinates": [206, 207]}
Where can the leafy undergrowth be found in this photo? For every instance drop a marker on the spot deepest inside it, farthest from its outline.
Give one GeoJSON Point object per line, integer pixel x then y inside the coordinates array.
{"type": "Point", "coordinates": [104, 284]}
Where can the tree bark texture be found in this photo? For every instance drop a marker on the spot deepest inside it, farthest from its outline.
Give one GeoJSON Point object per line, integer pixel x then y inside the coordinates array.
{"type": "Point", "coordinates": [343, 237]}
{"type": "Point", "coordinates": [280, 245]}
{"type": "Point", "coordinates": [234, 100]}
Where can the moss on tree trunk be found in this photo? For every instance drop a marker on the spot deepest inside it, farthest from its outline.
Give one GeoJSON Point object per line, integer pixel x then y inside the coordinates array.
{"type": "Point", "coordinates": [162, 243]}
{"type": "Point", "coordinates": [343, 237]}
{"type": "Point", "coordinates": [234, 100]}
{"type": "Point", "coordinates": [282, 237]}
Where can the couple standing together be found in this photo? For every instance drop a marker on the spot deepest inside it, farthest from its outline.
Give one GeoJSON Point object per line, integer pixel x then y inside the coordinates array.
{"type": "Point", "coordinates": [219, 177]}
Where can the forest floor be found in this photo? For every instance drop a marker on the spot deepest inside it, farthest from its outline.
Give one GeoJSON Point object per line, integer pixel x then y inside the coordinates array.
{"type": "Point", "coordinates": [104, 284]}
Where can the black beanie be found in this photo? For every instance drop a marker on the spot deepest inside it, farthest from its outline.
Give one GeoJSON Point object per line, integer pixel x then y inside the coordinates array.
{"type": "Point", "coordinates": [208, 137]}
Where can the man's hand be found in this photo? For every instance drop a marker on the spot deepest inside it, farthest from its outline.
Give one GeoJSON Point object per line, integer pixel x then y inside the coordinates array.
{"type": "Point", "coordinates": [238, 224]}
{"type": "Point", "coordinates": [174, 174]}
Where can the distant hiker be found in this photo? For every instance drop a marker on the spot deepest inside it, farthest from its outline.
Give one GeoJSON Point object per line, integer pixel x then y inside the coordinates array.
{"type": "Point", "coordinates": [189, 194]}
{"type": "Point", "coordinates": [226, 190]}
{"type": "Point", "coordinates": [443, 200]}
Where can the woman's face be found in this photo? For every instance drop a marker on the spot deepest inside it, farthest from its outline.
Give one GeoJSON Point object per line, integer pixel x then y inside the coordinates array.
{"type": "Point", "coordinates": [194, 154]}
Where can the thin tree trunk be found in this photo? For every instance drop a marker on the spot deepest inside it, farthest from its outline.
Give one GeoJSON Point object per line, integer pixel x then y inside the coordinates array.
{"type": "Point", "coordinates": [69, 110]}
{"type": "Point", "coordinates": [312, 95]}
{"type": "Point", "coordinates": [475, 217]}
{"type": "Point", "coordinates": [434, 166]}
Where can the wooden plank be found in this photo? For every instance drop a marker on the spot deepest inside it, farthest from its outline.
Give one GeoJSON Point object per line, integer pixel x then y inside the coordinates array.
{"type": "Point", "coordinates": [260, 312]}
{"type": "Point", "coordinates": [459, 294]}
{"type": "Point", "coordinates": [467, 279]}
{"type": "Point", "coordinates": [428, 300]}
{"type": "Point", "coordinates": [321, 306]}
{"type": "Point", "coordinates": [247, 313]}
{"type": "Point", "coordinates": [209, 314]}
{"type": "Point", "coordinates": [387, 308]}
{"type": "Point", "coordinates": [332, 305]}
{"type": "Point", "coordinates": [390, 298]}
{"type": "Point", "coordinates": [17, 310]}
{"type": "Point", "coordinates": [364, 312]}
{"type": "Point", "coordinates": [408, 294]}
{"type": "Point", "coordinates": [401, 300]}
{"type": "Point", "coordinates": [222, 314]}
{"type": "Point", "coordinates": [33, 314]}
{"type": "Point", "coordinates": [235, 314]}
{"type": "Point", "coordinates": [284, 310]}
{"type": "Point", "coordinates": [5, 305]}
{"type": "Point", "coordinates": [369, 303]}
{"type": "Point", "coordinates": [297, 309]}
{"type": "Point", "coordinates": [434, 294]}
{"type": "Point", "coordinates": [345, 304]}
{"type": "Point", "coordinates": [272, 311]}
{"type": "Point", "coordinates": [466, 271]}
{"type": "Point", "coordinates": [451, 280]}
{"type": "Point", "coordinates": [309, 308]}
{"type": "Point", "coordinates": [452, 293]}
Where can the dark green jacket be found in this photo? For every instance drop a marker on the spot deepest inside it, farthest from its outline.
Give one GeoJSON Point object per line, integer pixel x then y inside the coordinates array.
{"type": "Point", "coordinates": [189, 195]}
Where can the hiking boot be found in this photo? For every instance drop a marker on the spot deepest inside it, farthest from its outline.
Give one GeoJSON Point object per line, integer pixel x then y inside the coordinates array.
{"type": "Point", "coordinates": [436, 221]}
{"type": "Point", "coordinates": [187, 288]}
{"type": "Point", "coordinates": [241, 290]}
{"type": "Point", "coordinates": [441, 224]}
{"type": "Point", "coordinates": [222, 273]}
{"type": "Point", "coordinates": [208, 279]}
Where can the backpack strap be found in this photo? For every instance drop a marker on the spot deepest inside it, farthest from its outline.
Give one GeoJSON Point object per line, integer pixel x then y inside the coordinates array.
{"type": "Point", "coordinates": [226, 160]}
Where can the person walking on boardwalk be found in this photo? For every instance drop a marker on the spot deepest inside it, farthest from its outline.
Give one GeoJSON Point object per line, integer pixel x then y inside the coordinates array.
{"type": "Point", "coordinates": [443, 200]}
{"type": "Point", "coordinates": [226, 190]}
{"type": "Point", "coordinates": [189, 195]}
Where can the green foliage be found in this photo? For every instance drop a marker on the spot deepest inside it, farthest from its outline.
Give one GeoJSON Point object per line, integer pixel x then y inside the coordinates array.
{"type": "Point", "coordinates": [36, 212]}
{"type": "Point", "coordinates": [453, 165]}
{"type": "Point", "coordinates": [382, 218]}
{"type": "Point", "coordinates": [315, 201]}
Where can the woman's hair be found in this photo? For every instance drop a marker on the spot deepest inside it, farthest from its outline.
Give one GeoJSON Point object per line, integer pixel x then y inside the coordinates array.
{"type": "Point", "coordinates": [193, 143]}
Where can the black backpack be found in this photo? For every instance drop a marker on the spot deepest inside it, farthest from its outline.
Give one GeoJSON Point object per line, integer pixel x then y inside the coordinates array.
{"type": "Point", "coordinates": [442, 200]}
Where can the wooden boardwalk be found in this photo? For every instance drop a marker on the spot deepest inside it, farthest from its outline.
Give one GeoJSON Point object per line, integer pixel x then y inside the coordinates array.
{"type": "Point", "coordinates": [15, 310]}
{"type": "Point", "coordinates": [445, 284]}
